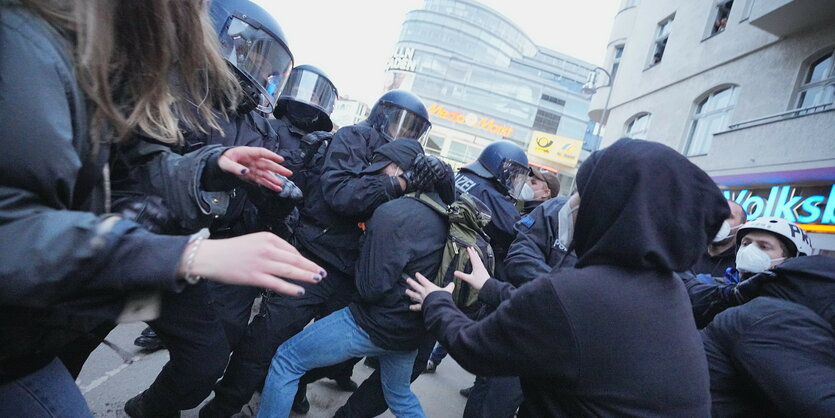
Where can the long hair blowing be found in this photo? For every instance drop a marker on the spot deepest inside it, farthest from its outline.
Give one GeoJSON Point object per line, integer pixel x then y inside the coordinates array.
{"type": "Point", "coordinates": [147, 65]}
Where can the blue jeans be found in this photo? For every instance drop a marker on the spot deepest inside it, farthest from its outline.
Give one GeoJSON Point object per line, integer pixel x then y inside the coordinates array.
{"type": "Point", "coordinates": [330, 340]}
{"type": "Point", "coordinates": [48, 392]}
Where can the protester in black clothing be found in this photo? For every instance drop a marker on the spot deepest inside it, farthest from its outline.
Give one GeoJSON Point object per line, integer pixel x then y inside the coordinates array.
{"type": "Point", "coordinates": [721, 254]}
{"type": "Point", "coordinates": [608, 336]}
{"type": "Point", "coordinates": [775, 355]}
{"type": "Point", "coordinates": [393, 245]}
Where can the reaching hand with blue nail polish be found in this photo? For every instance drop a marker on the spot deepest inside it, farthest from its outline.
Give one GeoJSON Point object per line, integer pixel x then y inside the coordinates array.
{"type": "Point", "coordinates": [254, 164]}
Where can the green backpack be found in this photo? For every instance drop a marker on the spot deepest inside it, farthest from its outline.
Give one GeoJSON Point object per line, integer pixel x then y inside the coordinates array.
{"type": "Point", "coordinates": [466, 217]}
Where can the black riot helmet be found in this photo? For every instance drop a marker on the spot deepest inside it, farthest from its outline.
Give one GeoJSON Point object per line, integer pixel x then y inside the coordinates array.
{"type": "Point", "coordinates": [253, 43]}
{"type": "Point", "coordinates": [400, 114]}
{"type": "Point", "coordinates": [307, 99]}
{"type": "Point", "coordinates": [506, 162]}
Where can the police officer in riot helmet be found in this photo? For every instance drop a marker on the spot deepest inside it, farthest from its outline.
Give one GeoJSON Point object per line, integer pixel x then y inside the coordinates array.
{"type": "Point", "coordinates": [302, 121]}
{"type": "Point", "coordinates": [254, 45]}
{"type": "Point", "coordinates": [399, 114]}
{"type": "Point", "coordinates": [498, 178]}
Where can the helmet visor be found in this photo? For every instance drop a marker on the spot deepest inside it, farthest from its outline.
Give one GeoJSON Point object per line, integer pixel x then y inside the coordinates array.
{"type": "Point", "coordinates": [260, 56]}
{"type": "Point", "coordinates": [514, 176]}
{"type": "Point", "coordinates": [394, 122]}
{"type": "Point", "coordinates": [310, 88]}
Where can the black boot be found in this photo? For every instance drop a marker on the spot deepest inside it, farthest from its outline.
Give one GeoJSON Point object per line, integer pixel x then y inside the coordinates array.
{"type": "Point", "coordinates": [137, 407]}
{"type": "Point", "coordinates": [300, 402]}
{"type": "Point", "coordinates": [346, 384]}
{"type": "Point", "coordinates": [149, 340]}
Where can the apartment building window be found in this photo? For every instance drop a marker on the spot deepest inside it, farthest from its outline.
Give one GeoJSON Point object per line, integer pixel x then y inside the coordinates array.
{"type": "Point", "coordinates": [719, 16]}
{"type": "Point", "coordinates": [711, 116]}
{"type": "Point", "coordinates": [637, 126]}
{"type": "Point", "coordinates": [618, 52]}
{"type": "Point", "coordinates": [546, 121]}
{"type": "Point", "coordinates": [662, 34]}
{"type": "Point", "coordinates": [818, 86]}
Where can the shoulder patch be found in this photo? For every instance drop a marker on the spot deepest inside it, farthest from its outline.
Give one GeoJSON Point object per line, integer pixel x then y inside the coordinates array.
{"type": "Point", "coordinates": [527, 221]}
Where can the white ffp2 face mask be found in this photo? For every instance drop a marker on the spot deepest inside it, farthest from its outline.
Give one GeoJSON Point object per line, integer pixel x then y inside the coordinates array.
{"type": "Point", "coordinates": [527, 193]}
{"type": "Point", "coordinates": [725, 232]}
{"type": "Point", "coordinates": [754, 260]}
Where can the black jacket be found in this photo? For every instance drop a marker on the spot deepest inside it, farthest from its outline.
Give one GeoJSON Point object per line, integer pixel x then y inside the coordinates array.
{"type": "Point", "coordinates": [344, 197]}
{"type": "Point", "coordinates": [613, 336]}
{"type": "Point", "coordinates": [536, 249]}
{"type": "Point", "coordinates": [775, 355]}
{"type": "Point", "coordinates": [57, 263]}
{"type": "Point", "coordinates": [715, 266]}
{"type": "Point", "coordinates": [504, 213]}
{"type": "Point", "coordinates": [404, 236]}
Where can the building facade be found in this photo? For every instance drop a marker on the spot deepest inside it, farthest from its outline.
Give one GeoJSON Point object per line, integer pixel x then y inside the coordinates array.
{"type": "Point", "coordinates": [483, 80]}
{"type": "Point", "coordinates": [744, 88]}
{"type": "Point", "coordinates": [347, 111]}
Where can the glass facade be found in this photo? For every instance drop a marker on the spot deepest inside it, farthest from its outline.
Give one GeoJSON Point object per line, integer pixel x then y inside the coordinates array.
{"type": "Point", "coordinates": [483, 79]}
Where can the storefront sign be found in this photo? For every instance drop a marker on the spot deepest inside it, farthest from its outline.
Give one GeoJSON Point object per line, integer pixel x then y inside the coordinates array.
{"type": "Point", "coordinates": [814, 207]}
{"type": "Point", "coordinates": [470, 119]}
{"type": "Point", "coordinates": [559, 149]}
{"type": "Point", "coordinates": [403, 59]}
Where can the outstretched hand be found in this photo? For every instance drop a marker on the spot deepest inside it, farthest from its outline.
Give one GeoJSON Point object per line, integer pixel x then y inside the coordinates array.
{"type": "Point", "coordinates": [261, 260]}
{"type": "Point", "coordinates": [254, 164]}
{"type": "Point", "coordinates": [420, 287]}
{"type": "Point", "coordinates": [479, 276]}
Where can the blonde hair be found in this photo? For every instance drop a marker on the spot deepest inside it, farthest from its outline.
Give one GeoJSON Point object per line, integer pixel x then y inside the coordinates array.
{"type": "Point", "coordinates": [146, 65]}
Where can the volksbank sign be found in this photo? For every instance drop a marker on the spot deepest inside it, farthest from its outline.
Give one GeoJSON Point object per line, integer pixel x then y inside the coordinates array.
{"type": "Point", "coordinates": [808, 205]}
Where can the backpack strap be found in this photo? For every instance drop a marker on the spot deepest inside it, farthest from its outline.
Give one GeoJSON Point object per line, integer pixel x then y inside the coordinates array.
{"type": "Point", "coordinates": [428, 201]}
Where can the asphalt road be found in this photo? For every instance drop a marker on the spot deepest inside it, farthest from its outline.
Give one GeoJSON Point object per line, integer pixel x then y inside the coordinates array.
{"type": "Point", "coordinates": [113, 375]}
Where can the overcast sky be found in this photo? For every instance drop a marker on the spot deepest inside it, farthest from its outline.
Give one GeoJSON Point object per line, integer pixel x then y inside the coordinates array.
{"type": "Point", "coordinates": [351, 40]}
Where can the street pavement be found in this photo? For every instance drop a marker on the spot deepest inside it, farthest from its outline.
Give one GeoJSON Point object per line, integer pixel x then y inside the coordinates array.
{"type": "Point", "coordinates": [115, 373]}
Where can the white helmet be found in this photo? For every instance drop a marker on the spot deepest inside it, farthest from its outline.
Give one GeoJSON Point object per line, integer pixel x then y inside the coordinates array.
{"type": "Point", "coordinates": [795, 238]}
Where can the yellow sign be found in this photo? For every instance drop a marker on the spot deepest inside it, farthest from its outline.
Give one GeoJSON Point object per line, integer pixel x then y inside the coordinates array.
{"type": "Point", "coordinates": [559, 149]}
{"type": "Point", "coordinates": [470, 119]}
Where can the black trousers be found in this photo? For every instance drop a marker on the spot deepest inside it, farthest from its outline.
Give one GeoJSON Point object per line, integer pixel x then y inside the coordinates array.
{"type": "Point", "coordinates": [198, 350]}
{"type": "Point", "coordinates": [368, 400]}
{"type": "Point", "coordinates": [494, 397]}
{"type": "Point", "coordinates": [233, 305]}
{"type": "Point", "coordinates": [280, 317]}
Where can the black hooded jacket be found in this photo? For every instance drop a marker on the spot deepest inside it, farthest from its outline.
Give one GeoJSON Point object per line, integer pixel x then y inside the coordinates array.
{"type": "Point", "coordinates": [775, 355]}
{"type": "Point", "coordinates": [613, 336]}
{"type": "Point", "coordinates": [404, 236]}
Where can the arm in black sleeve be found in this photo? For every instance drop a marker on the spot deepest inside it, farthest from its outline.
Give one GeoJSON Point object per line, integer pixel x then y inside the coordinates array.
{"type": "Point", "coordinates": [708, 300]}
{"type": "Point", "coordinates": [494, 292]}
{"type": "Point", "coordinates": [529, 334]}
{"type": "Point", "coordinates": [348, 190]}
{"type": "Point", "coordinates": [383, 256]}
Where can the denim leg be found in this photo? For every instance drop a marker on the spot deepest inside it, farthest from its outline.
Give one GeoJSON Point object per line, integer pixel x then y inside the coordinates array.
{"type": "Point", "coordinates": [48, 392]}
{"type": "Point", "coordinates": [330, 340]}
{"type": "Point", "coordinates": [396, 373]}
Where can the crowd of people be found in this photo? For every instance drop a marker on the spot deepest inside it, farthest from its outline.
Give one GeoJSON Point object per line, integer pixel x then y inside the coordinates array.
{"type": "Point", "coordinates": [165, 161]}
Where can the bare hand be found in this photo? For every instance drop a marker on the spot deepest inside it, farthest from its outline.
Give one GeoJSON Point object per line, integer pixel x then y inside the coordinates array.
{"type": "Point", "coordinates": [261, 260]}
{"type": "Point", "coordinates": [479, 276]}
{"type": "Point", "coordinates": [254, 164]}
{"type": "Point", "coordinates": [421, 288]}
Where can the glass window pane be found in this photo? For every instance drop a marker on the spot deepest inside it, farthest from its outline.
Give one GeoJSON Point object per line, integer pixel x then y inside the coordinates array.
{"type": "Point", "coordinates": [721, 99]}
{"type": "Point", "coordinates": [819, 70]}
{"type": "Point", "coordinates": [810, 97]}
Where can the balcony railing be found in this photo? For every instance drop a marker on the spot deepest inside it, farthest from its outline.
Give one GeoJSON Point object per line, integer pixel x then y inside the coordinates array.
{"type": "Point", "coordinates": [780, 116]}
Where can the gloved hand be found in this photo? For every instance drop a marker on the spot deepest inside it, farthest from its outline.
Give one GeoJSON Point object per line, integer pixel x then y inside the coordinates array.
{"type": "Point", "coordinates": [148, 211]}
{"type": "Point", "coordinates": [289, 190]}
{"type": "Point", "coordinates": [426, 171]}
{"type": "Point", "coordinates": [311, 142]}
{"type": "Point", "coordinates": [749, 289]}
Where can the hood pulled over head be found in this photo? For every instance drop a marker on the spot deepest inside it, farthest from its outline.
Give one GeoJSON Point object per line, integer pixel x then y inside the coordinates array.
{"type": "Point", "coordinates": [643, 205]}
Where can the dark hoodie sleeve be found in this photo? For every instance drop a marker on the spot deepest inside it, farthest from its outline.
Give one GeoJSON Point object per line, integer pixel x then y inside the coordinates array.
{"type": "Point", "coordinates": [708, 300]}
{"type": "Point", "coordinates": [494, 292]}
{"type": "Point", "coordinates": [346, 188]}
{"type": "Point", "coordinates": [384, 254]}
{"type": "Point", "coordinates": [529, 334]}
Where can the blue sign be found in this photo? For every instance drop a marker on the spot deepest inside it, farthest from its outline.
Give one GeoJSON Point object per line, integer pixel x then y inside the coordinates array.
{"type": "Point", "coordinates": [785, 202]}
